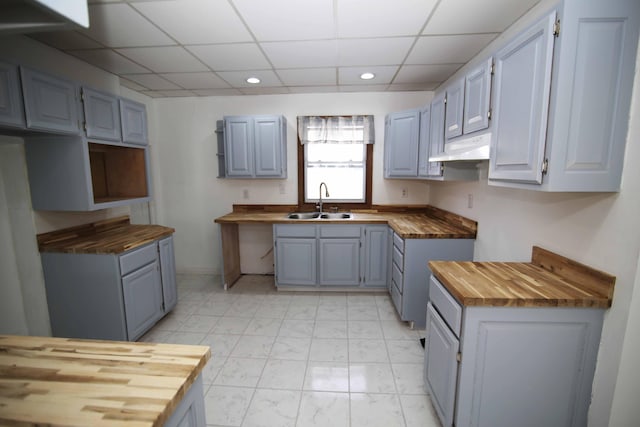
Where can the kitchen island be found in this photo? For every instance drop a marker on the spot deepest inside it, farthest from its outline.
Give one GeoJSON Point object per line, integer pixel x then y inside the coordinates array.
{"type": "Point", "coordinates": [74, 382]}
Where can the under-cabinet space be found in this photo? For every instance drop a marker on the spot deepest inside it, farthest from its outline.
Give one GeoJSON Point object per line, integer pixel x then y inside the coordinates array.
{"type": "Point", "coordinates": [117, 172]}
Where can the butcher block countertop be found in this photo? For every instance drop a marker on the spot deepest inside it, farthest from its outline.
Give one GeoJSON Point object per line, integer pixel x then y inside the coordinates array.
{"type": "Point", "coordinates": [73, 382]}
{"type": "Point", "coordinates": [408, 222]}
{"type": "Point", "coordinates": [111, 236]}
{"type": "Point", "coordinates": [549, 280]}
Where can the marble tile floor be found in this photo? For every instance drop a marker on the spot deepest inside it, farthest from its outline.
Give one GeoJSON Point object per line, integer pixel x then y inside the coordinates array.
{"type": "Point", "coordinates": [300, 359]}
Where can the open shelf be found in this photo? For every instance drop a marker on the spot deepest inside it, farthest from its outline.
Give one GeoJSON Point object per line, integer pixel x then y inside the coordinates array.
{"type": "Point", "coordinates": [117, 172]}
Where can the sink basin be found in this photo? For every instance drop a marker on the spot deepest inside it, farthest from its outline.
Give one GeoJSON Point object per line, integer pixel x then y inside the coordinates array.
{"type": "Point", "coordinates": [337, 215]}
{"type": "Point", "coordinates": [304, 215]}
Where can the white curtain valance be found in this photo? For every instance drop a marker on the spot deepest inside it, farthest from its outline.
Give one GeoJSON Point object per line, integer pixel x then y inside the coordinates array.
{"type": "Point", "coordinates": [336, 129]}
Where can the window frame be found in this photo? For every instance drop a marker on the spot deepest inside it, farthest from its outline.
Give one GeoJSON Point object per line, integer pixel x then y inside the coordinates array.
{"type": "Point", "coordinates": [302, 205]}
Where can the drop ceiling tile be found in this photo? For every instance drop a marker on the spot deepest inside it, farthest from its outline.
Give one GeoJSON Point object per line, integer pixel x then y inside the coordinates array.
{"type": "Point", "coordinates": [152, 94]}
{"type": "Point", "coordinates": [164, 59]}
{"type": "Point", "coordinates": [363, 88]}
{"type": "Point", "coordinates": [109, 60]}
{"type": "Point", "coordinates": [412, 87]}
{"type": "Point", "coordinates": [425, 73]}
{"type": "Point", "coordinates": [377, 51]}
{"type": "Point", "coordinates": [313, 89]}
{"type": "Point", "coordinates": [176, 93]}
{"type": "Point", "coordinates": [302, 54]}
{"type": "Point", "coordinates": [207, 80]}
{"type": "Point", "coordinates": [66, 40]}
{"type": "Point", "coordinates": [308, 76]}
{"type": "Point", "coordinates": [264, 90]}
{"type": "Point", "coordinates": [239, 78]}
{"type": "Point", "coordinates": [351, 75]}
{"type": "Point", "coordinates": [448, 49]}
{"type": "Point", "coordinates": [217, 92]}
{"type": "Point", "coordinates": [196, 21]}
{"type": "Point", "coordinates": [487, 16]}
{"type": "Point", "coordinates": [131, 84]}
{"type": "Point", "coordinates": [230, 57]}
{"type": "Point", "coordinates": [152, 81]}
{"type": "Point", "coordinates": [363, 18]}
{"type": "Point", "coordinates": [275, 20]}
{"type": "Point", "coordinates": [119, 25]}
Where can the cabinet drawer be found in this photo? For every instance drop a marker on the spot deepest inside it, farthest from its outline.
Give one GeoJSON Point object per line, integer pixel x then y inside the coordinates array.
{"type": "Point", "coordinates": [446, 305]}
{"type": "Point", "coordinates": [295, 230]}
{"type": "Point", "coordinates": [339, 231]}
{"type": "Point", "coordinates": [398, 258]}
{"type": "Point", "coordinates": [396, 275]}
{"type": "Point", "coordinates": [137, 258]}
{"type": "Point", "coordinates": [396, 297]}
{"type": "Point", "coordinates": [398, 242]}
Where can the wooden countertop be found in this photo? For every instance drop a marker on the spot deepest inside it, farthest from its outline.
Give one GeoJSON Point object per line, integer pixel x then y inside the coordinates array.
{"type": "Point", "coordinates": [433, 223]}
{"type": "Point", "coordinates": [111, 236]}
{"type": "Point", "coordinates": [73, 382]}
{"type": "Point", "coordinates": [549, 280]}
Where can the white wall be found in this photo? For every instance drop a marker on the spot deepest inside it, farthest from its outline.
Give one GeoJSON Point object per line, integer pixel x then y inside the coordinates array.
{"type": "Point", "coordinates": [600, 230]}
{"type": "Point", "coordinates": [192, 197]}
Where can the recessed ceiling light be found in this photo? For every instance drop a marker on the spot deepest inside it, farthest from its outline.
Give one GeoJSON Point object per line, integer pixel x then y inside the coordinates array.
{"type": "Point", "coordinates": [253, 80]}
{"type": "Point", "coordinates": [367, 76]}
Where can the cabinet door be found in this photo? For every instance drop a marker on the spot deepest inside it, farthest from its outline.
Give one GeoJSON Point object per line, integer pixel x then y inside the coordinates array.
{"type": "Point", "coordinates": [441, 366]}
{"type": "Point", "coordinates": [168, 274]}
{"type": "Point", "coordinates": [238, 137]}
{"type": "Point", "coordinates": [268, 145]}
{"type": "Point", "coordinates": [11, 110]}
{"type": "Point", "coordinates": [436, 132]}
{"type": "Point", "coordinates": [190, 411]}
{"type": "Point", "coordinates": [133, 116]}
{"type": "Point", "coordinates": [339, 262]}
{"type": "Point", "coordinates": [423, 144]}
{"type": "Point", "coordinates": [403, 139]}
{"type": "Point", "coordinates": [296, 261]}
{"type": "Point", "coordinates": [521, 93]}
{"type": "Point", "coordinates": [376, 256]}
{"type": "Point", "coordinates": [142, 291]}
{"type": "Point", "coordinates": [50, 103]}
{"type": "Point", "coordinates": [477, 97]}
{"type": "Point", "coordinates": [101, 115]}
{"type": "Point", "coordinates": [454, 108]}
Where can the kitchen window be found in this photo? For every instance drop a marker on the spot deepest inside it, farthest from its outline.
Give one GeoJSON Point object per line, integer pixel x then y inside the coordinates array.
{"type": "Point", "coordinates": [336, 150]}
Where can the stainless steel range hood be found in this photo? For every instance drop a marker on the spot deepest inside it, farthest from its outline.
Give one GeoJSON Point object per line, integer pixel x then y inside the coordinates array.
{"type": "Point", "coordinates": [469, 148]}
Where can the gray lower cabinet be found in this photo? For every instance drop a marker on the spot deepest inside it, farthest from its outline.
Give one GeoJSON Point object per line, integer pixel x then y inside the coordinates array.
{"type": "Point", "coordinates": [11, 108]}
{"type": "Point", "coordinates": [109, 296]}
{"type": "Point", "coordinates": [508, 366]}
{"type": "Point", "coordinates": [190, 411]}
{"type": "Point", "coordinates": [410, 272]}
{"type": "Point", "coordinates": [50, 103]}
{"type": "Point", "coordinates": [328, 255]}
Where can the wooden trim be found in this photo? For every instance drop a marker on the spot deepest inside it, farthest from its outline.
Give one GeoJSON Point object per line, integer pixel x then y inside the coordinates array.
{"type": "Point", "coordinates": [230, 253]}
{"type": "Point", "coordinates": [302, 206]}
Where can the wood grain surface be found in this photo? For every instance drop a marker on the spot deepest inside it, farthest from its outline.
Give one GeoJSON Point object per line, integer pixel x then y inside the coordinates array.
{"type": "Point", "coordinates": [73, 382]}
{"type": "Point", "coordinates": [111, 236]}
{"type": "Point", "coordinates": [547, 281]}
{"type": "Point", "coordinates": [421, 222]}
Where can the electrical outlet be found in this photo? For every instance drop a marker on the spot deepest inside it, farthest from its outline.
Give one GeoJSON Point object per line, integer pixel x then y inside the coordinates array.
{"type": "Point", "coordinates": [245, 194]}
{"type": "Point", "coordinates": [405, 193]}
{"type": "Point", "coordinates": [470, 201]}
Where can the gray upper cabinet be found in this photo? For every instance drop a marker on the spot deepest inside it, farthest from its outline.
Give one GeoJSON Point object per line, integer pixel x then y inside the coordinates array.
{"type": "Point", "coordinates": [376, 256]}
{"type": "Point", "coordinates": [255, 146]}
{"type": "Point", "coordinates": [101, 115]}
{"type": "Point", "coordinates": [562, 104]}
{"type": "Point", "coordinates": [50, 103]}
{"type": "Point", "coordinates": [11, 108]}
{"type": "Point", "coordinates": [133, 116]}
{"type": "Point", "coordinates": [454, 105]}
{"type": "Point", "coordinates": [401, 143]}
{"type": "Point", "coordinates": [521, 93]}
{"type": "Point", "coordinates": [424, 142]}
{"type": "Point", "coordinates": [436, 133]}
{"type": "Point", "coordinates": [477, 98]}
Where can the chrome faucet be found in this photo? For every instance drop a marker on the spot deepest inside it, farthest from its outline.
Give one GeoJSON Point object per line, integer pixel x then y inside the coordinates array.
{"type": "Point", "coordinates": [326, 194]}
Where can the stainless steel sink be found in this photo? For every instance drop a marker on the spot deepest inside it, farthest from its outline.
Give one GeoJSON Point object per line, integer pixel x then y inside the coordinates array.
{"type": "Point", "coordinates": [304, 215]}
{"type": "Point", "coordinates": [337, 215]}
{"type": "Point", "coordinates": [319, 215]}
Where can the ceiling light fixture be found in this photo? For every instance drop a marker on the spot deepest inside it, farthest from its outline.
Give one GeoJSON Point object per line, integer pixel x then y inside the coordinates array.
{"type": "Point", "coordinates": [367, 76]}
{"type": "Point", "coordinates": [253, 80]}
